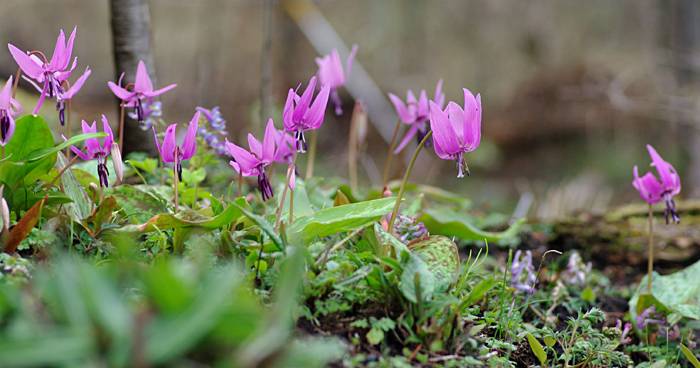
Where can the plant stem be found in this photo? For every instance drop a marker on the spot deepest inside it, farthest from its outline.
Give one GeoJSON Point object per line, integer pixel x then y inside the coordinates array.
{"type": "Point", "coordinates": [64, 169]}
{"type": "Point", "coordinates": [291, 206]}
{"type": "Point", "coordinates": [651, 248]}
{"type": "Point", "coordinates": [2, 152]}
{"type": "Point", "coordinates": [121, 127]}
{"type": "Point", "coordinates": [14, 87]}
{"type": "Point", "coordinates": [405, 180]}
{"type": "Point", "coordinates": [175, 182]}
{"type": "Point", "coordinates": [240, 182]}
{"type": "Point", "coordinates": [390, 155]}
{"type": "Point", "coordinates": [312, 155]}
{"type": "Point", "coordinates": [194, 197]}
{"type": "Point", "coordinates": [352, 151]}
{"type": "Point", "coordinates": [284, 192]}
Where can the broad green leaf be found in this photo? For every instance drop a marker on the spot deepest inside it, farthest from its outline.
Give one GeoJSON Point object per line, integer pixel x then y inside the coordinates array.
{"type": "Point", "coordinates": [537, 348]}
{"type": "Point", "coordinates": [102, 215]}
{"type": "Point", "coordinates": [84, 177]}
{"type": "Point", "coordinates": [190, 177]}
{"type": "Point", "coordinates": [689, 355]}
{"type": "Point", "coordinates": [478, 292]}
{"type": "Point", "coordinates": [139, 204]}
{"type": "Point", "coordinates": [264, 226]}
{"type": "Point", "coordinates": [81, 206]}
{"type": "Point", "coordinates": [375, 336]}
{"type": "Point", "coordinates": [659, 364]}
{"type": "Point", "coordinates": [52, 348]}
{"type": "Point", "coordinates": [453, 224]}
{"type": "Point", "coordinates": [148, 165]}
{"type": "Point", "coordinates": [426, 283]}
{"type": "Point", "coordinates": [23, 199]}
{"type": "Point", "coordinates": [388, 242]}
{"type": "Point", "coordinates": [441, 256]}
{"type": "Point", "coordinates": [336, 219]}
{"type": "Point", "coordinates": [302, 207]}
{"type": "Point", "coordinates": [677, 293]}
{"type": "Point", "coordinates": [31, 134]}
{"type": "Point", "coordinates": [588, 295]}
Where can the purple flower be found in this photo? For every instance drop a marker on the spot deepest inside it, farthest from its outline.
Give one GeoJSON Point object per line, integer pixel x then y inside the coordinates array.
{"type": "Point", "coordinates": [143, 88]}
{"type": "Point", "coordinates": [254, 162]}
{"type": "Point", "coordinates": [522, 272]}
{"type": "Point", "coordinates": [298, 117]}
{"type": "Point", "coordinates": [9, 108]}
{"type": "Point", "coordinates": [416, 114]}
{"type": "Point", "coordinates": [97, 150]}
{"type": "Point", "coordinates": [171, 152]}
{"type": "Point", "coordinates": [330, 71]}
{"type": "Point", "coordinates": [408, 228]}
{"type": "Point", "coordinates": [624, 337]}
{"type": "Point", "coordinates": [654, 191]}
{"type": "Point", "coordinates": [576, 271]}
{"type": "Point", "coordinates": [457, 131]}
{"type": "Point", "coordinates": [216, 122]}
{"type": "Point", "coordinates": [152, 112]}
{"type": "Point", "coordinates": [53, 73]}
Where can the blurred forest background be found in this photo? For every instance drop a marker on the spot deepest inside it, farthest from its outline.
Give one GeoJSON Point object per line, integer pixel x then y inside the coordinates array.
{"type": "Point", "coordinates": [572, 91]}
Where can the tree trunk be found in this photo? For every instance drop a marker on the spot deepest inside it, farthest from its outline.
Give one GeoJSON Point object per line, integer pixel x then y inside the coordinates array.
{"type": "Point", "coordinates": [131, 42]}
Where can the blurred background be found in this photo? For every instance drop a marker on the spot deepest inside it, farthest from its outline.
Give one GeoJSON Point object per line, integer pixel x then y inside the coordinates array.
{"type": "Point", "coordinates": [572, 91]}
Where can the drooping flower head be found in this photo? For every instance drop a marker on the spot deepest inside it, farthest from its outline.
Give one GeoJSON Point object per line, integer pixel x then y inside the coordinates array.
{"type": "Point", "coordinates": [51, 73]}
{"type": "Point", "coordinates": [171, 152]}
{"type": "Point", "coordinates": [330, 71]}
{"type": "Point", "coordinates": [214, 128]}
{"type": "Point", "coordinates": [654, 191]}
{"type": "Point", "coordinates": [416, 113]}
{"type": "Point", "coordinates": [9, 108]}
{"type": "Point", "coordinates": [301, 115]}
{"type": "Point", "coordinates": [143, 89]}
{"type": "Point", "coordinates": [253, 162]}
{"type": "Point", "coordinates": [457, 131]}
{"type": "Point", "coordinates": [98, 151]}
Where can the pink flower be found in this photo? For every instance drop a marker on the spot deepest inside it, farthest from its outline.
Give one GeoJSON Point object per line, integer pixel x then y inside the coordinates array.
{"type": "Point", "coordinates": [171, 152]}
{"type": "Point", "coordinates": [457, 131]}
{"type": "Point", "coordinates": [654, 191]}
{"type": "Point", "coordinates": [253, 162]}
{"type": "Point", "coordinates": [143, 89]}
{"type": "Point", "coordinates": [95, 150]}
{"type": "Point", "coordinates": [301, 115]}
{"type": "Point", "coordinates": [53, 73]}
{"type": "Point", "coordinates": [330, 71]}
{"type": "Point", "coordinates": [285, 147]}
{"type": "Point", "coordinates": [9, 108]}
{"type": "Point", "coordinates": [416, 113]}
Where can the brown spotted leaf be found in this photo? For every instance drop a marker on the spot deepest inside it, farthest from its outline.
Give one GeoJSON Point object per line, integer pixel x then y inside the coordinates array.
{"type": "Point", "coordinates": [441, 256]}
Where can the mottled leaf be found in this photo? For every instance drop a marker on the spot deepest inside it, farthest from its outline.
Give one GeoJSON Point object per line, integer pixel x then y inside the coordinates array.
{"type": "Point", "coordinates": [441, 256]}
{"type": "Point", "coordinates": [451, 224]}
{"type": "Point", "coordinates": [416, 266]}
{"type": "Point", "coordinates": [139, 204]}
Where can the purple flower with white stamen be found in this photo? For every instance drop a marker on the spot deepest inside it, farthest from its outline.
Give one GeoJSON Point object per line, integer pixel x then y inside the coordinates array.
{"type": "Point", "coordinates": [457, 131]}
{"type": "Point", "coordinates": [51, 73]}
{"type": "Point", "coordinates": [416, 113]}
{"type": "Point", "coordinates": [253, 162]}
{"type": "Point", "coordinates": [301, 115]}
{"type": "Point", "coordinates": [143, 89]}
{"type": "Point", "coordinates": [98, 151]}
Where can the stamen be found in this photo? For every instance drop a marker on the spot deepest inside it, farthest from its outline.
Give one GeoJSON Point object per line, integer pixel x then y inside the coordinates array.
{"type": "Point", "coordinates": [61, 107]}
{"type": "Point", "coordinates": [461, 164]}
{"type": "Point", "coordinates": [264, 186]}
{"type": "Point", "coordinates": [4, 124]}
{"type": "Point", "coordinates": [670, 209]}
{"type": "Point", "coordinates": [179, 171]}
{"type": "Point", "coordinates": [301, 142]}
{"type": "Point", "coordinates": [139, 110]}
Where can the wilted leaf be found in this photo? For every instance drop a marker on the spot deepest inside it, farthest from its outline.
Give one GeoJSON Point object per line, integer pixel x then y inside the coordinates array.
{"type": "Point", "coordinates": [21, 230]}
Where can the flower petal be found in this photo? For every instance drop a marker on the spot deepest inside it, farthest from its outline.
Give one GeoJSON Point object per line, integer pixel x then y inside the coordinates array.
{"type": "Point", "coordinates": [93, 144]}
{"type": "Point", "coordinates": [288, 112]}
{"type": "Point", "coordinates": [668, 175]}
{"type": "Point", "coordinates": [303, 105]}
{"type": "Point", "coordinates": [648, 187]}
{"type": "Point", "coordinates": [6, 95]}
{"type": "Point", "coordinates": [350, 60]}
{"type": "Point", "coordinates": [472, 127]}
{"type": "Point", "coordinates": [456, 116]}
{"type": "Point", "coordinates": [444, 134]}
{"type": "Point", "coordinates": [407, 138]}
{"type": "Point", "coordinates": [107, 147]}
{"type": "Point", "coordinates": [58, 52]}
{"type": "Point", "coordinates": [245, 160]}
{"type": "Point", "coordinates": [120, 92]}
{"type": "Point", "coordinates": [78, 84]}
{"type": "Point", "coordinates": [314, 116]}
{"type": "Point", "coordinates": [255, 146]}
{"type": "Point", "coordinates": [10, 131]}
{"type": "Point", "coordinates": [188, 145]}
{"type": "Point", "coordinates": [77, 152]}
{"type": "Point", "coordinates": [422, 109]}
{"type": "Point", "coordinates": [401, 110]}
{"type": "Point", "coordinates": [168, 149]}
{"type": "Point", "coordinates": [28, 66]}
{"type": "Point", "coordinates": [142, 82]}
{"type": "Point", "coordinates": [268, 147]}
{"type": "Point", "coordinates": [159, 91]}
{"type": "Point", "coordinates": [439, 96]}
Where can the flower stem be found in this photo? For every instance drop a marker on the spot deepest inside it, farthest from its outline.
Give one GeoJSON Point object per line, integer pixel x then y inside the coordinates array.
{"type": "Point", "coordinates": [121, 127]}
{"type": "Point", "coordinates": [390, 155]}
{"type": "Point", "coordinates": [405, 180]}
{"type": "Point", "coordinates": [14, 87]}
{"type": "Point", "coordinates": [291, 205]}
{"type": "Point", "coordinates": [68, 127]}
{"type": "Point", "coordinates": [64, 169]}
{"type": "Point", "coordinates": [651, 249]}
{"type": "Point", "coordinates": [284, 192]}
{"type": "Point", "coordinates": [177, 153]}
{"type": "Point", "coordinates": [312, 156]}
{"type": "Point", "coordinates": [240, 182]}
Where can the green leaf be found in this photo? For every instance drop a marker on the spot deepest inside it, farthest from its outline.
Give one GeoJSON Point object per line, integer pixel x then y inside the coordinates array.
{"type": "Point", "coordinates": [388, 242]}
{"type": "Point", "coordinates": [478, 292]}
{"type": "Point", "coordinates": [139, 204]}
{"type": "Point", "coordinates": [375, 336]}
{"type": "Point", "coordinates": [31, 134]}
{"type": "Point", "coordinates": [441, 256]}
{"type": "Point", "coordinates": [264, 226]}
{"type": "Point", "coordinates": [302, 207]}
{"type": "Point", "coordinates": [659, 364]}
{"type": "Point", "coordinates": [453, 224]}
{"type": "Point", "coordinates": [426, 282]}
{"type": "Point", "coordinates": [549, 341]}
{"type": "Point", "coordinates": [689, 355]}
{"type": "Point", "coordinates": [333, 220]}
{"type": "Point", "coordinates": [74, 140]}
{"type": "Point", "coordinates": [190, 177]}
{"type": "Point", "coordinates": [52, 348]}
{"type": "Point", "coordinates": [81, 206]}
{"type": "Point", "coordinates": [102, 215]}
{"type": "Point", "coordinates": [676, 293]}
{"type": "Point", "coordinates": [537, 348]}
{"type": "Point", "coordinates": [588, 295]}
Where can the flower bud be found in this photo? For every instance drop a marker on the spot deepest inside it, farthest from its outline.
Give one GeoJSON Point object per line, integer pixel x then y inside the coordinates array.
{"type": "Point", "coordinates": [4, 212]}
{"type": "Point", "coordinates": [117, 161]}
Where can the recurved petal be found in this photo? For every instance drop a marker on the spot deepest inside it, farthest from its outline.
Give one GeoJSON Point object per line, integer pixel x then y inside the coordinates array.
{"type": "Point", "coordinates": [10, 131]}
{"type": "Point", "coordinates": [439, 96]}
{"type": "Point", "coordinates": [444, 134]}
{"type": "Point", "coordinates": [268, 147]}
{"type": "Point", "coordinates": [188, 146]}
{"type": "Point", "coordinates": [303, 104]}
{"type": "Point", "coordinates": [28, 66]}
{"type": "Point", "coordinates": [58, 53]}
{"type": "Point", "coordinates": [351, 58]}
{"type": "Point", "coordinates": [287, 114]}
{"type": "Point", "coordinates": [142, 82]}
{"type": "Point", "coordinates": [407, 138]}
{"type": "Point", "coordinates": [472, 126]}
{"type": "Point", "coordinates": [314, 116]}
{"type": "Point", "coordinates": [93, 144]}
{"type": "Point", "coordinates": [110, 136]}
{"type": "Point", "coordinates": [255, 145]}
{"type": "Point", "coordinates": [401, 110]}
{"type": "Point", "coordinates": [75, 150]}
{"type": "Point", "coordinates": [68, 51]}
{"type": "Point", "coordinates": [168, 149]}
{"type": "Point", "coordinates": [120, 92]}
{"type": "Point", "coordinates": [243, 159]}
{"type": "Point", "coordinates": [159, 91]}
{"type": "Point", "coordinates": [78, 84]}
{"type": "Point", "coordinates": [456, 116]}
{"type": "Point", "coordinates": [6, 95]}
{"type": "Point", "coordinates": [648, 187]}
{"type": "Point", "coordinates": [668, 175]}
